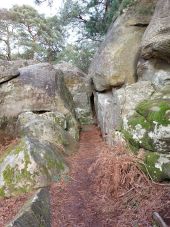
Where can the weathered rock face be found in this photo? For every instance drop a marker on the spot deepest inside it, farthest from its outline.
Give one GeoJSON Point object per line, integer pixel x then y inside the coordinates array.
{"type": "Point", "coordinates": [154, 70]}
{"type": "Point", "coordinates": [10, 69]}
{"type": "Point", "coordinates": [52, 127]}
{"type": "Point", "coordinates": [36, 212]}
{"type": "Point", "coordinates": [156, 40]}
{"type": "Point", "coordinates": [30, 164]}
{"type": "Point", "coordinates": [149, 127]}
{"type": "Point", "coordinates": [79, 86]}
{"type": "Point", "coordinates": [130, 96]}
{"type": "Point", "coordinates": [38, 88]}
{"type": "Point", "coordinates": [41, 109]}
{"type": "Point", "coordinates": [115, 107]}
{"type": "Point", "coordinates": [115, 62]}
{"type": "Point", "coordinates": [108, 114]}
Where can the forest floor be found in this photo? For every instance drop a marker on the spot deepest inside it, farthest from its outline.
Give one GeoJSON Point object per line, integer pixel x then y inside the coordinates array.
{"type": "Point", "coordinates": [105, 188]}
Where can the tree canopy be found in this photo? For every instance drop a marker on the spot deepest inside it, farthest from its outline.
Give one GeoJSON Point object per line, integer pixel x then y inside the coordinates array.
{"type": "Point", "coordinates": [27, 34]}
{"type": "Point", "coordinates": [24, 33]}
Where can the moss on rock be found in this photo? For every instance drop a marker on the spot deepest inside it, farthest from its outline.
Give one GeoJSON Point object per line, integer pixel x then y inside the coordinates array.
{"type": "Point", "coordinates": [154, 111]}
{"type": "Point", "coordinates": [157, 166]}
{"type": "Point", "coordinates": [149, 127]}
{"type": "Point", "coordinates": [29, 165]}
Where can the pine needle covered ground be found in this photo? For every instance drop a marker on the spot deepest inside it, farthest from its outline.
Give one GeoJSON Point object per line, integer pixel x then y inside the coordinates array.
{"type": "Point", "coordinates": [106, 188]}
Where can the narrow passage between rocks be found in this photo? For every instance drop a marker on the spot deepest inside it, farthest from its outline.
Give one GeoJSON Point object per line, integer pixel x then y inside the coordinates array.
{"type": "Point", "coordinates": [72, 202]}
{"type": "Point", "coordinates": [76, 202]}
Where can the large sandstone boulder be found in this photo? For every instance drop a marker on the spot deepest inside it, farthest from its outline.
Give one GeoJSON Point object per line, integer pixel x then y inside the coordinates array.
{"type": "Point", "coordinates": [38, 88]}
{"type": "Point", "coordinates": [115, 62]}
{"type": "Point", "coordinates": [156, 40]}
{"type": "Point", "coordinates": [28, 165]}
{"type": "Point", "coordinates": [148, 126]}
{"type": "Point", "coordinates": [79, 86]}
{"type": "Point", "coordinates": [41, 109]}
{"type": "Point", "coordinates": [52, 127]}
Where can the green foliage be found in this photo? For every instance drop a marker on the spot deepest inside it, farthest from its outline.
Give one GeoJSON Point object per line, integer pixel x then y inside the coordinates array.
{"type": "Point", "coordinates": [92, 16]}
{"type": "Point", "coordinates": [33, 35]}
{"type": "Point", "coordinates": [78, 56]}
{"type": "Point", "coordinates": [7, 37]}
{"type": "Point", "coordinates": [126, 3]}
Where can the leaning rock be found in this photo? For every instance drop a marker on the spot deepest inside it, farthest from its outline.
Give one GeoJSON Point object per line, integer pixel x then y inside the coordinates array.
{"type": "Point", "coordinates": [115, 62]}
{"type": "Point", "coordinates": [156, 40]}
{"type": "Point", "coordinates": [79, 86]}
{"type": "Point", "coordinates": [38, 88]}
{"type": "Point", "coordinates": [29, 165]}
{"type": "Point", "coordinates": [36, 212]}
{"type": "Point", "coordinates": [51, 127]}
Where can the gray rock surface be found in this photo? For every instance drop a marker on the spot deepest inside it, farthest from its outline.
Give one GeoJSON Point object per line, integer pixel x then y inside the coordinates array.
{"type": "Point", "coordinates": [28, 165]}
{"type": "Point", "coordinates": [115, 62]}
{"type": "Point", "coordinates": [130, 96]}
{"type": "Point", "coordinates": [38, 88]}
{"type": "Point", "coordinates": [50, 126]}
{"type": "Point", "coordinates": [156, 40]}
{"type": "Point", "coordinates": [35, 213]}
{"type": "Point", "coordinates": [79, 86]}
{"type": "Point", "coordinates": [115, 107]}
{"type": "Point", "coordinates": [154, 70]}
{"type": "Point", "coordinates": [108, 114]}
{"type": "Point", "coordinates": [10, 69]}
{"type": "Point", "coordinates": [149, 126]}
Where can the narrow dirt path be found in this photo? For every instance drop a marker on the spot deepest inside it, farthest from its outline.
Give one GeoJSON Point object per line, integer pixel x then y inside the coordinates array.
{"type": "Point", "coordinates": [77, 203]}
{"type": "Point", "coordinates": [73, 207]}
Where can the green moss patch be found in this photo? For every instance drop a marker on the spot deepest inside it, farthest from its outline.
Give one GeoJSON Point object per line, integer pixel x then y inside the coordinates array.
{"type": "Point", "coordinates": [154, 111]}
{"type": "Point", "coordinates": [155, 169]}
{"type": "Point", "coordinates": [151, 115]}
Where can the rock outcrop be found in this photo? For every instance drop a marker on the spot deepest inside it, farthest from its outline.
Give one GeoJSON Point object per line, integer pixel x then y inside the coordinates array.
{"type": "Point", "coordinates": [149, 126]}
{"type": "Point", "coordinates": [133, 84]}
{"type": "Point", "coordinates": [115, 62]}
{"type": "Point", "coordinates": [38, 88]}
{"type": "Point", "coordinates": [37, 107]}
{"type": "Point", "coordinates": [156, 40]}
{"type": "Point", "coordinates": [78, 83]}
